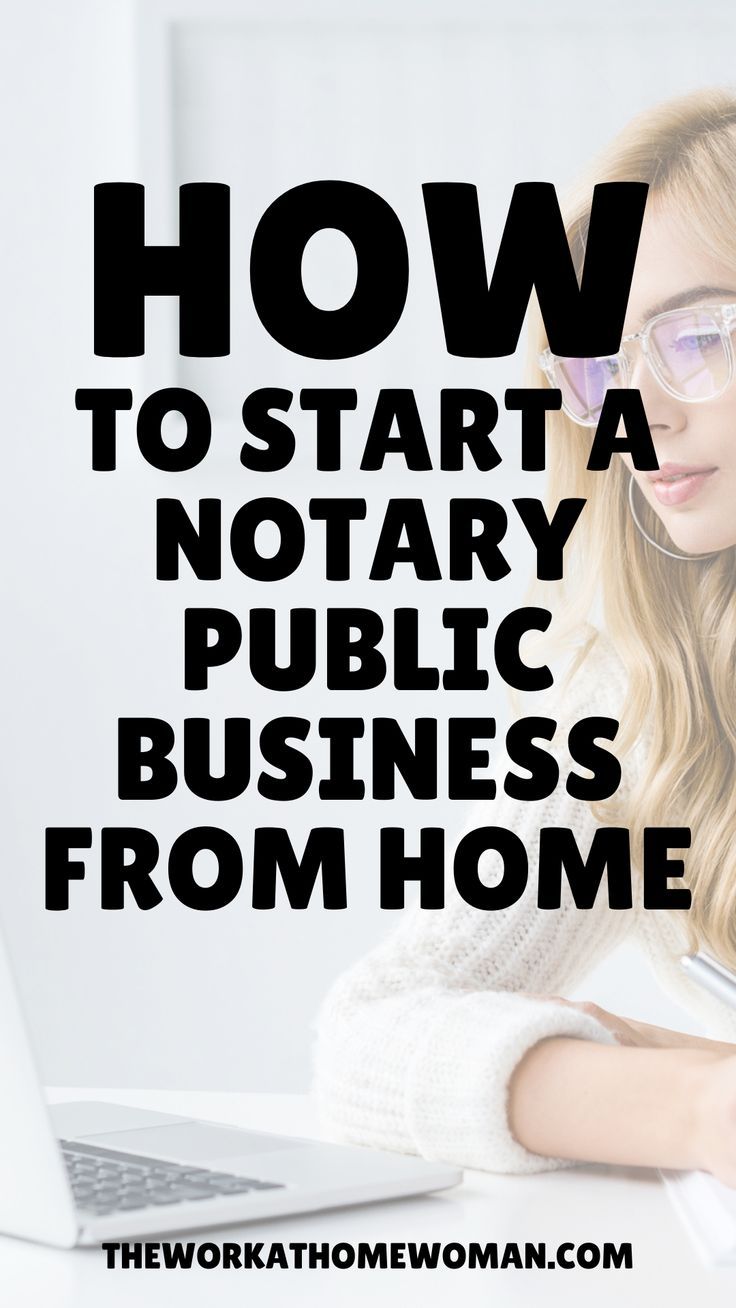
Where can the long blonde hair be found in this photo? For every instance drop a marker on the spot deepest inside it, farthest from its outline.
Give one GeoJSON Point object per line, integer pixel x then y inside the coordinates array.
{"type": "Point", "coordinates": [673, 623]}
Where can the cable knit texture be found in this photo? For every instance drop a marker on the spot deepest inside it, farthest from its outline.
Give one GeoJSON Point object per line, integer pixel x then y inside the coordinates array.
{"type": "Point", "coordinates": [417, 1042]}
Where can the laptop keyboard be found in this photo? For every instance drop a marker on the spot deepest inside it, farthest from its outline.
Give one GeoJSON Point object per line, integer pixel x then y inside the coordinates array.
{"type": "Point", "coordinates": [106, 1181]}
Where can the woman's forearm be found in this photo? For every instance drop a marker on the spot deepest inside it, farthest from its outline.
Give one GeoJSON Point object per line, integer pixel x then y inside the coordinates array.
{"type": "Point", "coordinates": [590, 1102]}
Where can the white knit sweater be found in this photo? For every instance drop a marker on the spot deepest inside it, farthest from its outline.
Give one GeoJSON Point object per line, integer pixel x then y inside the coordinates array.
{"type": "Point", "coordinates": [416, 1043]}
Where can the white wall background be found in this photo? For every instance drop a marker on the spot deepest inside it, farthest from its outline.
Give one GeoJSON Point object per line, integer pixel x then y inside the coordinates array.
{"type": "Point", "coordinates": [262, 96]}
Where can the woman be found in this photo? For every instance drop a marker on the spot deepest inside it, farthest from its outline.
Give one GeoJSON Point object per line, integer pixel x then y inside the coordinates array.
{"type": "Point", "coordinates": [449, 1039]}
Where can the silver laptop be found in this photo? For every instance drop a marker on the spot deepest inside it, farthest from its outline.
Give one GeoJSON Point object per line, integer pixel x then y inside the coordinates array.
{"type": "Point", "coordinates": [80, 1173]}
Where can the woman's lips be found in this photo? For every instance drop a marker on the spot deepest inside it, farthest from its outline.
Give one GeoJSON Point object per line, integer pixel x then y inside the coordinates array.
{"type": "Point", "coordinates": [683, 488]}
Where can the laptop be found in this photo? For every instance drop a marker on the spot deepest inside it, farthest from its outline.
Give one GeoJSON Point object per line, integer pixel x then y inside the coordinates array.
{"type": "Point", "coordinates": [80, 1173]}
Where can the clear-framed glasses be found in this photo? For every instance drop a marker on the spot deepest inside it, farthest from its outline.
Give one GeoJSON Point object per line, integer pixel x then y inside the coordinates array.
{"type": "Point", "coordinates": [689, 351]}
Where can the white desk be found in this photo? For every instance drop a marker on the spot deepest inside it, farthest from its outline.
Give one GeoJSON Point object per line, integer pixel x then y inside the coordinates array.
{"type": "Point", "coordinates": [594, 1204]}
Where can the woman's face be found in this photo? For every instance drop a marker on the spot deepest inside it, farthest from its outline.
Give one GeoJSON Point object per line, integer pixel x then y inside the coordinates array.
{"type": "Point", "coordinates": [699, 514]}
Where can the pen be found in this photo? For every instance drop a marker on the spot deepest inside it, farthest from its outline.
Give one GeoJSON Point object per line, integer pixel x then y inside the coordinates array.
{"type": "Point", "coordinates": [712, 976]}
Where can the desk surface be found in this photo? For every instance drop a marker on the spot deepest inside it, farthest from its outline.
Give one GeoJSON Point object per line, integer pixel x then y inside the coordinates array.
{"type": "Point", "coordinates": [583, 1204]}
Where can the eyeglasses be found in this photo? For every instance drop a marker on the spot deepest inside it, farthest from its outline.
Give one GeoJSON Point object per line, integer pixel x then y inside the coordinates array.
{"type": "Point", "coordinates": [689, 351]}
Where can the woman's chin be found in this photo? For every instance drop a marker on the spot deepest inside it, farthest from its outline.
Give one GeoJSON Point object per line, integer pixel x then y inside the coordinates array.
{"type": "Point", "coordinates": [700, 542]}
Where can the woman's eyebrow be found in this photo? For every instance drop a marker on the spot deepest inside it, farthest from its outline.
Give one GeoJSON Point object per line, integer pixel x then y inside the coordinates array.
{"type": "Point", "coordinates": [693, 295]}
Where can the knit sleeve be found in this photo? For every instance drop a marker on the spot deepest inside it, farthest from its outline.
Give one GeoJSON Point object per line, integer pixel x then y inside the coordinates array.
{"type": "Point", "coordinates": [417, 1042]}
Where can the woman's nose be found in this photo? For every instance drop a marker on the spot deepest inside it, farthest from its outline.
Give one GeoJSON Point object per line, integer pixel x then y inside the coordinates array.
{"type": "Point", "coordinates": [661, 408]}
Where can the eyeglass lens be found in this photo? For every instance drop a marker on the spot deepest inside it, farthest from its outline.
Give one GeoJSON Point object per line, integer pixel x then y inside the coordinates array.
{"type": "Point", "coordinates": [691, 354]}
{"type": "Point", "coordinates": [686, 350]}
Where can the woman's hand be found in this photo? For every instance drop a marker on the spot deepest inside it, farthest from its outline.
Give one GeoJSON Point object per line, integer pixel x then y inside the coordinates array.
{"type": "Point", "coordinates": [641, 1034]}
{"type": "Point", "coordinates": [626, 1031]}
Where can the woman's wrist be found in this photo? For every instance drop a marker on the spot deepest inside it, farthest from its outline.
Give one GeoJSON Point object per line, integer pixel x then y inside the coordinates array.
{"type": "Point", "coordinates": [716, 1101]}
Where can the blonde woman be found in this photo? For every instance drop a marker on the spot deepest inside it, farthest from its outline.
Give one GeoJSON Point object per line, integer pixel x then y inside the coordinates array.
{"type": "Point", "coordinates": [451, 1039]}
